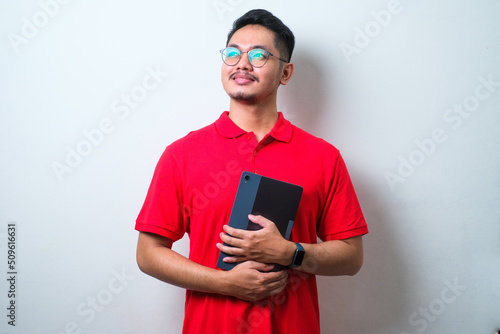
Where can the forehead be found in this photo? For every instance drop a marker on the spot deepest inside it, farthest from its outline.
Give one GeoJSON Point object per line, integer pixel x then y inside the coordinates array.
{"type": "Point", "coordinates": [251, 36]}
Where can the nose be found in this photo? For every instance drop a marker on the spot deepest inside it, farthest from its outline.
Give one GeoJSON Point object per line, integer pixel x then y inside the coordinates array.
{"type": "Point", "coordinates": [244, 63]}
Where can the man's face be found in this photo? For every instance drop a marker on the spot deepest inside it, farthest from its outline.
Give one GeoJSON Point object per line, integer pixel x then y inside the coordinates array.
{"type": "Point", "coordinates": [246, 83]}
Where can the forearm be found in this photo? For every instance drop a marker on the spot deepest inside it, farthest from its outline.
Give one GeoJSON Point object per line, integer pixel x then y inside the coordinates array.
{"type": "Point", "coordinates": [332, 258]}
{"type": "Point", "coordinates": [171, 267]}
{"type": "Point", "coordinates": [248, 281]}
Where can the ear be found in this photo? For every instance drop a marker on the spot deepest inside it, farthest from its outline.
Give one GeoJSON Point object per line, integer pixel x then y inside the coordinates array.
{"type": "Point", "coordinates": [286, 73]}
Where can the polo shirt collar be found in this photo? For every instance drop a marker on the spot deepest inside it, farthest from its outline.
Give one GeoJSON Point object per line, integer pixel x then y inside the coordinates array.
{"type": "Point", "coordinates": [281, 131]}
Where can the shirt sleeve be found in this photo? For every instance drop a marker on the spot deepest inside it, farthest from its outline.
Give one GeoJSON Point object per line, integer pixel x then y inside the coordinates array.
{"type": "Point", "coordinates": [163, 212]}
{"type": "Point", "coordinates": [342, 217]}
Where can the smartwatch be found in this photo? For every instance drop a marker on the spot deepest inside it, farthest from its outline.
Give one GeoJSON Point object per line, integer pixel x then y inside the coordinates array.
{"type": "Point", "coordinates": [298, 256]}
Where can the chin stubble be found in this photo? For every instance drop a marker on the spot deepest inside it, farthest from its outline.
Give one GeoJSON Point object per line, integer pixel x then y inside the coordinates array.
{"type": "Point", "coordinates": [242, 97]}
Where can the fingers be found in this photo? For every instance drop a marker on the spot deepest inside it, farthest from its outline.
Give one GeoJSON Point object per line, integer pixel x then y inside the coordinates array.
{"type": "Point", "coordinates": [232, 248]}
{"type": "Point", "coordinates": [268, 277]}
{"type": "Point", "coordinates": [279, 286]}
{"type": "Point", "coordinates": [274, 282]}
{"type": "Point", "coordinates": [263, 267]}
{"type": "Point", "coordinates": [236, 233]}
{"type": "Point", "coordinates": [240, 234]}
{"type": "Point", "coordinates": [242, 245]}
{"type": "Point", "coordinates": [258, 281]}
{"type": "Point", "coordinates": [231, 239]}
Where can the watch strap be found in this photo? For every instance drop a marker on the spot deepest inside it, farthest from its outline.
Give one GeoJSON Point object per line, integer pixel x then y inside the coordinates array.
{"type": "Point", "coordinates": [297, 257]}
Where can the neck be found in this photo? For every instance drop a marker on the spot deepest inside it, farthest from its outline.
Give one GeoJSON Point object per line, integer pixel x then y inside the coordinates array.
{"type": "Point", "coordinates": [256, 118]}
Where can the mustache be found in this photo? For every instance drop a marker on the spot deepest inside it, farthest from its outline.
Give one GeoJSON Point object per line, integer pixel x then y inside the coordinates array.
{"type": "Point", "coordinates": [253, 77]}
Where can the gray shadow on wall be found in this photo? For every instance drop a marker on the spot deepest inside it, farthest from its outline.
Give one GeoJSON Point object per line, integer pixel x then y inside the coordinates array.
{"type": "Point", "coordinates": [376, 299]}
{"type": "Point", "coordinates": [302, 99]}
{"type": "Point", "coordinates": [377, 293]}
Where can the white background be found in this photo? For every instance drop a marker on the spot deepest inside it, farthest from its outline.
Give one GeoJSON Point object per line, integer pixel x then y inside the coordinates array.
{"type": "Point", "coordinates": [378, 87]}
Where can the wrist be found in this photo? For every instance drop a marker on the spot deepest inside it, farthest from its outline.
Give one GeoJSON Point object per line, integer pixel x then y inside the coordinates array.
{"type": "Point", "coordinates": [224, 283]}
{"type": "Point", "coordinates": [288, 253]}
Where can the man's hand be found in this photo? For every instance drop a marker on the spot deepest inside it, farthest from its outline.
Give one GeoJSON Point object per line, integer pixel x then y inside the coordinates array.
{"type": "Point", "coordinates": [251, 281]}
{"type": "Point", "coordinates": [266, 245]}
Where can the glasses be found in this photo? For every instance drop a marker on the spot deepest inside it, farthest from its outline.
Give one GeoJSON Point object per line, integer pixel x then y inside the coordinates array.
{"type": "Point", "coordinates": [257, 57]}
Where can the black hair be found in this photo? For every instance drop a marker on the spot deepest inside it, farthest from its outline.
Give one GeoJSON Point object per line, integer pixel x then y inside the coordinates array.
{"type": "Point", "coordinates": [284, 39]}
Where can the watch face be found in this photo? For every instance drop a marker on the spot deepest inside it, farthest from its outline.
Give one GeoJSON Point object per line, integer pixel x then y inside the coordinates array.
{"type": "Point", "coordinates": [299, 257]}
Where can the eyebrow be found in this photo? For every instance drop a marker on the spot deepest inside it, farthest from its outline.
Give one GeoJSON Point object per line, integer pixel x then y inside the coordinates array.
{"type": "Point", "coordinates": [251, 47]}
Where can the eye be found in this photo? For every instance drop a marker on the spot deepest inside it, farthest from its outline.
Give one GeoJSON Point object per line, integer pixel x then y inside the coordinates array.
{"type": "Point", "coordinates": [232, 53]}
{"type": "Point", "coordinates": [258, 54]}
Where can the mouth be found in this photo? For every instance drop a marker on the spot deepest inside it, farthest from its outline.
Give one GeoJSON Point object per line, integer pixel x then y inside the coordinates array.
{"type": "Point", "coordinates": [243, 78]}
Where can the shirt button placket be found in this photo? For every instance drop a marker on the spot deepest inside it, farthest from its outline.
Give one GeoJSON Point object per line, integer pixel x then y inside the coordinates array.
{"type": "Point", "coordinates": [255, 155]}
{"type": "Point", "coordinates": [252, 154]}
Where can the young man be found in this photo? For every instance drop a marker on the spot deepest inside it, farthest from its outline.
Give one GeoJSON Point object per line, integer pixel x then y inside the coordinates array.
{"type": "Point", "coordinates": [193, 189]}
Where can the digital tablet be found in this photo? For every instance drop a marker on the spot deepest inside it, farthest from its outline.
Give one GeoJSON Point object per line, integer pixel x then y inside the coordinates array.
{"type": "Point", "coordinates": [273, 199]}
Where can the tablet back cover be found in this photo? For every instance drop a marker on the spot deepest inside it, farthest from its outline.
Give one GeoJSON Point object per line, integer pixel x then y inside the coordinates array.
{"type": "Point", "coordinates": [275, 200]}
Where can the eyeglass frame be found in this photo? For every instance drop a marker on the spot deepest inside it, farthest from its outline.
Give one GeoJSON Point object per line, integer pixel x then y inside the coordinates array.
{"type": "Point", "coordinates": [241, 52]}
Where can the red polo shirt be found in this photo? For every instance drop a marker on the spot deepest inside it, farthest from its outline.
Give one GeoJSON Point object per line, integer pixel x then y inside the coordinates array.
{"type": "Point", "coordinates": [192, 192]}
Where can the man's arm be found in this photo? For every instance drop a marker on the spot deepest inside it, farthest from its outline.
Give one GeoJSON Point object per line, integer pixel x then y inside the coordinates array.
{"type": "Point", "coordinates": [247, 281]}
{"type": "Point", "coordinates": [331, 258]}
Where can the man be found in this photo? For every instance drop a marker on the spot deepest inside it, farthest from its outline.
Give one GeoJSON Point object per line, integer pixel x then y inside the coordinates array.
{"type": "Point", "coordinates": [194, 186]}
